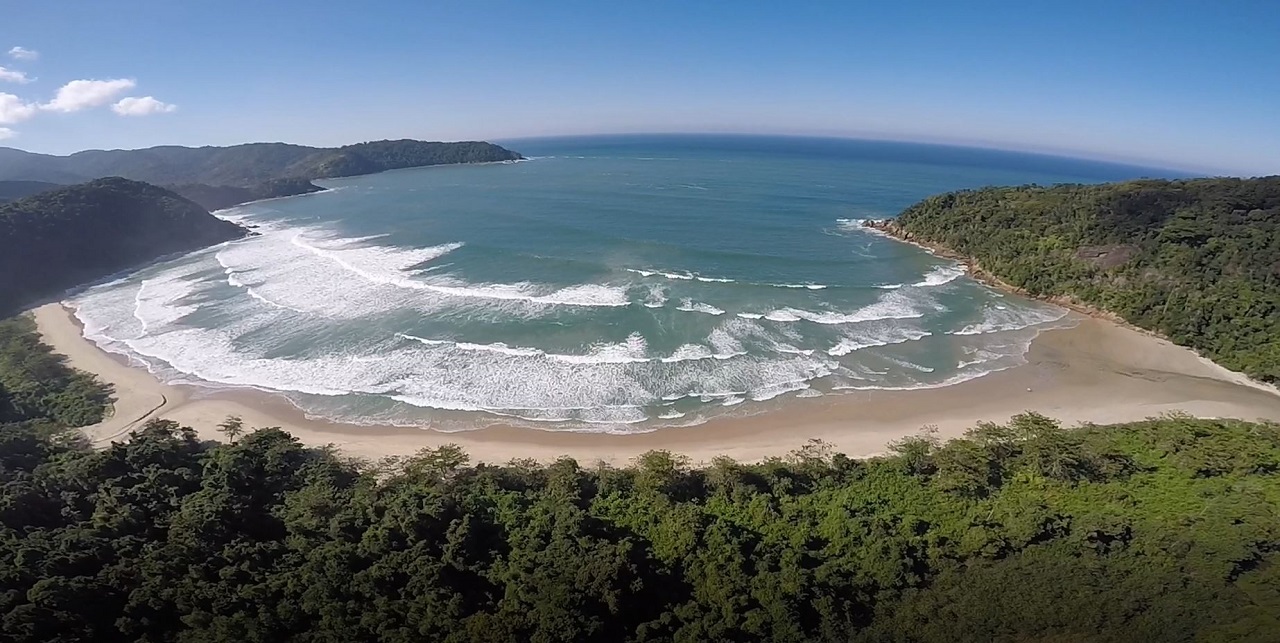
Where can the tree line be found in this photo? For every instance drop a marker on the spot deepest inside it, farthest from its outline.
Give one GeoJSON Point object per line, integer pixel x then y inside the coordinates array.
{"type": "Point", "coordinates": [1163, 530]}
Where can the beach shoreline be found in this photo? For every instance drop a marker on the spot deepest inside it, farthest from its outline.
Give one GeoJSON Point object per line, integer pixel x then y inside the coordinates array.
{"type": "Point", "coordinates": [1094, 372]}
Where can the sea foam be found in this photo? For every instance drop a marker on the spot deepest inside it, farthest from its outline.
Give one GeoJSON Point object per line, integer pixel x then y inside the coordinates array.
{"type": "Point", "coordinates": [941, 275]}
{"type": "Point", "coordinates": [997, 319]}
{"type": "Point", "coordinates": [345, 317]}
{"type": "Point", "coordinates": [688, 305]}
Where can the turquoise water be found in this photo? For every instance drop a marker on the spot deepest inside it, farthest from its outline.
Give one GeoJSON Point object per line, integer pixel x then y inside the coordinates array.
{"type": "Point", "coordinates": [610, 284]}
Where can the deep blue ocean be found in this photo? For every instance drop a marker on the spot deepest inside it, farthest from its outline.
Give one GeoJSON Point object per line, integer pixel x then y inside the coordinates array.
{"type": "Point", "coordinates": [606, 284]}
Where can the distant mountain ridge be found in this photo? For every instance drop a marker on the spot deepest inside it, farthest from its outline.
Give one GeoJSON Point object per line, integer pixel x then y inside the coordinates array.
{"type": "Point", "coordinates": [243, 165]}
{"type": "Point", "coordinates": [68, 236]}
{"type": "Point", "coordinates": [220, 177]}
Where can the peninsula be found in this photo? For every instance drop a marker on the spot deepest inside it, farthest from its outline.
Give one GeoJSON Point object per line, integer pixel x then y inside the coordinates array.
{"type": "Point", "coordinates": [1194, 260]}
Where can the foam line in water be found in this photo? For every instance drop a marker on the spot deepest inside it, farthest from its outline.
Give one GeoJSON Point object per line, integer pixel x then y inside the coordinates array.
{"type": "Point", "coordinates": [388, 268]}
{"type": "Point", "coordinates": [693, 276]}
{"type": "Point", "coordinates": [891, 306]}
{"type": "Point", "coordinates": [656, 297]}
{"type": "Point", "coordinates": [154, 303]}
{"type": "Point", "coordinates": [941, 275]}
{"type": "Point", "coordinates": [911, 365]}
{"type": "Point", "coordinates": [423, 340]}
{"type": "Point", "coordinates": [688, 305]}
{"type": "Point", "coordinates": [996, 319]}
{"type": "Point", "coordinates": [233, 279]}
{"type": "Point", "coordinates": [683, 276]}
{"type": "Point", "coordinates": [959, 378]}
{"type": "Point", "coordinates": [885, 337]}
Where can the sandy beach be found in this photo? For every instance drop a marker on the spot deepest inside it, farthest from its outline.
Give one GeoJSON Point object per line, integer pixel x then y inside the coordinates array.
{"type": "Point", "coordinates": [1094, 372]}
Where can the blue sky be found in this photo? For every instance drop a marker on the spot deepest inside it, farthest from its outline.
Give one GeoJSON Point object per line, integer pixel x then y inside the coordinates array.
{"type": "Point", "coordinates": [1186, 84]}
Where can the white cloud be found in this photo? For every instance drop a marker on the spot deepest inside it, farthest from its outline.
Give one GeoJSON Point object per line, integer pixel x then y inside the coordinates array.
{"type": "Point", "coordinates": [22, 53]}
{"type": "Point", "coordinates": [14, 109]}
{"type": "Point", "coordinates": [83, 94]}
{"type": "Point", "coordinates": [7, 133]}
{"type": "Point", "coordinates": [135, 106]}
{"type": "Point", "coordinates": [13, 76]}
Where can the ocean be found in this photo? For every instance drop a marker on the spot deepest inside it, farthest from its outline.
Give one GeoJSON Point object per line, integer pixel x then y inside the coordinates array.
{"type": "Point", "coordinates": [611, 284]}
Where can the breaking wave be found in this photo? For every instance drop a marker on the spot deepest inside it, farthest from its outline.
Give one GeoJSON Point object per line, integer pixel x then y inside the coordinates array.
{"type": "Point", "coordinates": [359, 324]}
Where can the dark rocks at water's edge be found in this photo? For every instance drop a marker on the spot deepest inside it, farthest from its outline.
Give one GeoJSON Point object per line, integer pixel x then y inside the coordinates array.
{"type": "Point", "coordinates": [886, 226]}
{"type": "Point", "coordinates": [62, 238]}
{"type": "Point", "coordinates": [893, 229]}
{"type": "Point", "coordinates": [219, 197]}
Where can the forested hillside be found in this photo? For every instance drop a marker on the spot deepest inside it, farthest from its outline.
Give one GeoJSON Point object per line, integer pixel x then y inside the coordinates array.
{"type": "Point", "coordinates": [68, 236]}
{"type": "Point", "coordinates": [243, 165]}
{"type": "Point", "coordinates": [1164, 530]}
{"type": "Point", "coordinates": [1195, 260]}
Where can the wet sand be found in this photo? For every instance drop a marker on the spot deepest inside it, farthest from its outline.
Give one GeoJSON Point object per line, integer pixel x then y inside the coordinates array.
{"type": "Point", "coordinates": [1096, 372]}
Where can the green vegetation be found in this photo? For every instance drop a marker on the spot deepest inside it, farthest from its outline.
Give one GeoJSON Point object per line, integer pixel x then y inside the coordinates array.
{"type": "Point", "coordinates": [1197, 261]}
{"type": "Point", "coordinates": [65, 237]}
{"type": "Point", "coordinates": [38, 390]}
{"type": "Point", "coordinates": [1165, 530]}
{"type": "Point", "coordinates": [243, 165]}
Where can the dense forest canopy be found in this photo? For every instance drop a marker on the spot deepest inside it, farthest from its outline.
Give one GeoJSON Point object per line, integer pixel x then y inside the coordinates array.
{"type": "Point", "coordinates": [1195, 260]}
{"type": "Point", "coordinates": [243, 165]}
{"type": "Point", "coordinates": [68, 236]}
{"type": "Point", "coordinates": [38, 388]}
{"type": "Point", "coordinates": [1166, 530]}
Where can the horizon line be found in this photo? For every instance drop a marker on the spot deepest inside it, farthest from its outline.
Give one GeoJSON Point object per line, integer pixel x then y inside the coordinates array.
{"type": "Point", "coordinates": [1077, 155]}
{"type": "Point", "coordinates": [1056, 153]}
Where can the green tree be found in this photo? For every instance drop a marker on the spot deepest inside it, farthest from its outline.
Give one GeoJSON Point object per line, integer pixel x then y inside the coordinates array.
{"type": "Point", "coordinates": [232, 427]}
